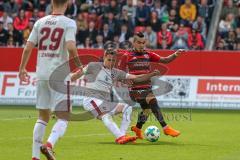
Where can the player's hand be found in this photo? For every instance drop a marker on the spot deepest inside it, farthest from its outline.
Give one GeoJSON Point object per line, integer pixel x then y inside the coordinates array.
{"type": "Point", "coordinates": [23, 75]}
{"type": "Point", "coordinates": [179, 51]}
{"type": "Point", "coordinates": [156, 73]}
{"type": "Point", "coordinates": [74, 77]}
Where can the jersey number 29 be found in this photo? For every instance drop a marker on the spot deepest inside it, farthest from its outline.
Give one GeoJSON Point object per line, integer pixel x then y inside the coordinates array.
{"type": "Point", "coordinates": [55, 37]}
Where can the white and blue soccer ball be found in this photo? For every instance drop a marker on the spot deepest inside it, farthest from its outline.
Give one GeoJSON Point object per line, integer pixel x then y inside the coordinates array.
{"type": "Point", "coordinates": [152, 133]}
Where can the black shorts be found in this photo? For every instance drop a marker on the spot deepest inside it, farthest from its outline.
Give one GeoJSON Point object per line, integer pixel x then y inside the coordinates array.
{"type": "Point", "coordinates": [140, 96]}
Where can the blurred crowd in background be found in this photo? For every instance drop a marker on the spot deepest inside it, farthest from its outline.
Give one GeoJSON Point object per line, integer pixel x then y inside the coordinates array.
{"type": "Point", "coordinates": [166, 24]}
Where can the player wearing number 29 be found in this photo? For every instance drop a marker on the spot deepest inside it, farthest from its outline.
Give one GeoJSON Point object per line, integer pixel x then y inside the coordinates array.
{"type": "Point", "coordinates": [55, 37]}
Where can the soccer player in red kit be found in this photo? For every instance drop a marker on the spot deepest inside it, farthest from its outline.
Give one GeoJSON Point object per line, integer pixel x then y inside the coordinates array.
{"type": "Point", "coordinates": [136, 62]}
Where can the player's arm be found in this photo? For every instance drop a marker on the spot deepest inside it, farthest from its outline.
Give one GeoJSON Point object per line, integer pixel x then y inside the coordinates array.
{"type": "Point", "coordinates": [31, 42]}
{"type": "Point", "coordinates": [171, 57]}
{"type": "Point", "coordinates": [71, 43]}
{"type": "Point", "coordinates": [25, 58]}
{"type": "Point", "coordinates": [73, 53]}
{"type": "Point", "coordinates": [142, 77]}
{"type": "Point", "coordinates": [76, 75]}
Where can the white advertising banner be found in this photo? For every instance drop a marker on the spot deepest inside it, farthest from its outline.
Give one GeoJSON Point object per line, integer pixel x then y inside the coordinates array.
{"type": "Point", "coordinates": [187, 92]}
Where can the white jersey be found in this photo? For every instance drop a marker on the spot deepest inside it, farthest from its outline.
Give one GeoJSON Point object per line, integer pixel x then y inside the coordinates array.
{"type": "Point", "coordinates": [101, 80]}
{"type": "Point", "coordinates": [51, 34]}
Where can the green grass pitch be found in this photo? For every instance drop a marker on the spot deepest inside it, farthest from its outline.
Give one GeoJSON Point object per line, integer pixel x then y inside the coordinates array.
{"type": "Point", "coordinates": [206, 135]}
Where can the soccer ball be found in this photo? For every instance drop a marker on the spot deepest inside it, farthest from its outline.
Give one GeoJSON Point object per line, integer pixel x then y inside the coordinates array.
{"type": "Point", "coordinates": [152, 133]}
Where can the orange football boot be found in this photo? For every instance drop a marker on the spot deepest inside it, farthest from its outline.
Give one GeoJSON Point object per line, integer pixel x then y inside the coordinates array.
{"type": "Point", "coordinates": [125, 139]}
{"type": "Point", "coordinates": [137, 131]}
{"type": "Point", "coordinates": [170, 131]}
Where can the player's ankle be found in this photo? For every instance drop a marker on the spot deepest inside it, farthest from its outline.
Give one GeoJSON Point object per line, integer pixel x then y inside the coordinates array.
{"type": "Point", "coordinates": [48, 144]}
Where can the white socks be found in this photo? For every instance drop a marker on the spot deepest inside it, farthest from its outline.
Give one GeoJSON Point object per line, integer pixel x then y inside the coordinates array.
{"type": "Point", "coordinates": [58, 131]}
{"type": "Point", "coordinates": [126, 119]}
{"type": "Point", "coordinates": [38, 134]}
{"type": "Point", "coordinates": [112, 126]}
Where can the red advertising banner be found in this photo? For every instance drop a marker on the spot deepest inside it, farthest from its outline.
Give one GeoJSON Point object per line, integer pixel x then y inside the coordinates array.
{"type": "Point", "coordinates": [192, 63]}
{"type": "Point", "coordinates": [218, 86]}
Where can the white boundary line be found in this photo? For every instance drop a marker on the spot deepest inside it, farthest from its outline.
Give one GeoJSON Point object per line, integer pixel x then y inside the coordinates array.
{"type": "Point", "coordinates": [18, 118]}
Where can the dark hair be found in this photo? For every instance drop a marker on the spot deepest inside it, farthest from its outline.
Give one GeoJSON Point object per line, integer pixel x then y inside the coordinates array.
{"type": "Point", "coordinates": [138, 34]}
{"type": "Point", "coordinates": [59, 2]}
{"type": "Point", "coordinates": [110, 51]}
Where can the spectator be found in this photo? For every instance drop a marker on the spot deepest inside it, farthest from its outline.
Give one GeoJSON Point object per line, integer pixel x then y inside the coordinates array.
{"type": "Point", "coordinates": [151, 38]}
{"type": "Point", "coordinates": [96, 7]}
{"type": "Point", "coordinates": [205, 10]}
{"type": "Point", "coordinates": [231, 40]}
{"type": "Point", "coordinates": [27, 31]}
{"type": "Point", "coordinates": [48, 9]}
{"type": "Point", "coordinates": [227, 25]}
{"type": "Point", "coordinates": [42, 5]}
{"type": "Point", "coordinates": [10, 43]}
{"type": "Point", "coordinates": [11, 8]}
{"type": "Point", "coordinates": [99, 42]}
{"type": "Point", "coordinates": [114, 8]}
{"type": "Point", "coordinates": [201, 27]}
{"type": "Point", "coordinates": [180, 37]}
{"type": "Point", "coordinates": [16, 35]}
{"type": "Point", "coordinates": [221, 45]}
{"type": "Point", "coordinates": [3, 35]}
{"type": "Point", "coordinates": [173, 19]}
{"type": "Point", "coordinates": [154, 21]}
{"type": "Point", "coordinates": [91, 31]}
{"type": "Point", "coordinates": [175, 6]}
{"type": "Point", "coordinates": [35, 14]}
{"type": "Point", "coordinates": [112, 22]}
{"type": "Point", "coordinates": [6, 19]}
{"type": "Point", "coordinates": [237, 46]}
{"type": "Point", "coordinates": [71, 10]}
{"type": "Point", "coordinates": [124, 34]}
{"type": "Point", "coordinates": [94, 17]}
{"type": "Point", "coordinates": [116, 41]}
{"type": "Point", "coordinates": [106, 33]}
{"type": "Point", "coordinates": [229, 8]}
{"type": "Point", "coordinates": [20, 22]}
{"type": "Point", "coordinates": [87, 44]}
{"type": "Point", "coordinates": [161, 10]}
{"type": "Point", "coordinates": [188, 12]}
{"type": "Point", "coordinates": [195, 40]}
{"type": "Point", "coordinates": [164, 35]}
{"type": "Point", "coordinates": [125, 19]}
{"type": "Point", "coordinates": [142, 13]}
{"type": "Point", "coordinates": [130, 8]}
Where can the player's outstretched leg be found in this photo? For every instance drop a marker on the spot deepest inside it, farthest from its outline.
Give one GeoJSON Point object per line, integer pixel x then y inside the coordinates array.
{"type": "Point", "coordinates": [121, 138]}
{"type": "Point", "coordinates": [126, 118]}
{"type": "Point", "coordinates": [168, 130]}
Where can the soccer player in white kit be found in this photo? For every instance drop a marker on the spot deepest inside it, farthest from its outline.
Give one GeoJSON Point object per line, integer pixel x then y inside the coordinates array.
{"type": "Point", "coordinates": [100, 79]}
{"type": "Point", "coordinates": [55, 37]}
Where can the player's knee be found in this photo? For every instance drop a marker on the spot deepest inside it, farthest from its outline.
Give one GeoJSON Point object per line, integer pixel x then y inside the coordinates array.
{"type": "Point", "coordinates": [149, 98]}
{"type": "Point", "coordinates": [147, 112]}
{"type": "Point", "coordinates": [63, 115]}
{"type": "Point", "coordinates": [44, 115]}
{"type": "Point", "coordinates": [106, 118]}
{"type": "Point", "coordinates": [127, 108]}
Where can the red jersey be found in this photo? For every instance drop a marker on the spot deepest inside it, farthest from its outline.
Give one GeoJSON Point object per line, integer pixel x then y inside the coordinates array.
{"type": "Point", "coordinates": [138, 63]}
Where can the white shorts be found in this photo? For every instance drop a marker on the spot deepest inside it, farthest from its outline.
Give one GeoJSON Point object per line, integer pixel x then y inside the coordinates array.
{"type": "Point", "coordinates": [98, 107]}
{"type": "Point", "coordinates": [47, 98]}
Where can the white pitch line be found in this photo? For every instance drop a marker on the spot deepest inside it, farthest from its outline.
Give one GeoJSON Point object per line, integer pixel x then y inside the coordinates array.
{"type": "Point", "coordinates": [18, 118]}
{"type": "Point", "coordinates": [73, 136]}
